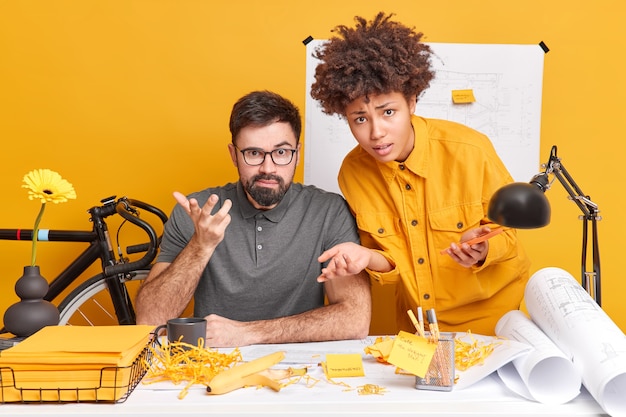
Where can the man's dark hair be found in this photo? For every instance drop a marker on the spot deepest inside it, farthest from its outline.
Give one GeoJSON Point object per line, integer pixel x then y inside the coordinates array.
{"type": "Point", "coordinates": [262, 108]}
{"type": "Point", "coordinates": [377, 57]}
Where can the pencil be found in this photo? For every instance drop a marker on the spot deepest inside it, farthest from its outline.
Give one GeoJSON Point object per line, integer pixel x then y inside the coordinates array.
{"type": "Point", "coordinates": [415, 323]}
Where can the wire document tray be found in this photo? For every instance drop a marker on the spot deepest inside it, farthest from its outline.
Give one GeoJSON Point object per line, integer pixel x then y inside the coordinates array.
{"type": "Point", "coordinates": [105, 385]}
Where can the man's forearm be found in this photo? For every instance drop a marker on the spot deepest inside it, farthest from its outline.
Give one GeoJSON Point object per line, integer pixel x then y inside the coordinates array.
{"type": "Point", "coordinates": [162, 298]}
{"type": "Point", "coordinates": [346, 318]}
{"type": "Point", "coordinates": [332, 322]}
{"type": "Point", "coordinates": [169, 288]}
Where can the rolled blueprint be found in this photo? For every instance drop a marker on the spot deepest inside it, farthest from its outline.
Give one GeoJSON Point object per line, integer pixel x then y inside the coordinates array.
{"type": "Point", "coordinates": [568, 315]}
{"type": "Point", "coordinates": [545, 374]}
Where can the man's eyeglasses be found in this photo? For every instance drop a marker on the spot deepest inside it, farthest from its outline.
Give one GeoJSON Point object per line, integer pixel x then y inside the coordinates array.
{"type": "Point", "coordinates": [255, 157]}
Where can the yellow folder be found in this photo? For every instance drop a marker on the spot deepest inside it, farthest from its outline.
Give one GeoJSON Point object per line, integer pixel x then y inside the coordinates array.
{"type": "Point", "coordinates": [71, 363]}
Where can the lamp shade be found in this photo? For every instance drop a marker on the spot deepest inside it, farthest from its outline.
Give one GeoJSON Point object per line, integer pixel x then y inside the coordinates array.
{"type": "Point", "coordinates": [520, 205]}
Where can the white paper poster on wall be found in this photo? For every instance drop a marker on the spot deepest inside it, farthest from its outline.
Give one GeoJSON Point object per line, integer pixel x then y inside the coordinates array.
{"type": "Point", "coordinates": [506, 82]}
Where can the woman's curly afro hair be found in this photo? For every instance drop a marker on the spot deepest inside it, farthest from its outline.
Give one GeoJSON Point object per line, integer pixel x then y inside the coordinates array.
{"type": "Point", "coordinates": [376, 57]}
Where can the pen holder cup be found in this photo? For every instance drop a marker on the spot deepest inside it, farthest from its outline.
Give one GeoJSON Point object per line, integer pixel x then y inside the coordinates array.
{"type": "Point", "coordinates": [440, 374]}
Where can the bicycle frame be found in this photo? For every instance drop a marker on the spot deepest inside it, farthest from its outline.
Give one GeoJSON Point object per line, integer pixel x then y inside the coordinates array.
{"type": "Point", "coordinates": [100, 248]}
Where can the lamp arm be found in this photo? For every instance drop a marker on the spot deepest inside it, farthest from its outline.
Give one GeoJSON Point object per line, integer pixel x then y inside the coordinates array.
{"type": "Point", "coordinates": [590, 280]}
{"type": "Point", "coordinates": [584, 203]}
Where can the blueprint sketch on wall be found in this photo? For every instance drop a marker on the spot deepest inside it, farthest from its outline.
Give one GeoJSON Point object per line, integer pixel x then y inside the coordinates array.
{"type": "Point", "coordinates": [506, 81]}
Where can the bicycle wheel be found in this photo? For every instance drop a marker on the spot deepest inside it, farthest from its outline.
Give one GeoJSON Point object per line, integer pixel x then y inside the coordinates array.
{"type": "Point", "coordinates": [90, 303]}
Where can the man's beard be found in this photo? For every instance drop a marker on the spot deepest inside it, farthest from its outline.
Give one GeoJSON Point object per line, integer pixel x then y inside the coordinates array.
{"type": "Point", "coordinates": [266, 197]}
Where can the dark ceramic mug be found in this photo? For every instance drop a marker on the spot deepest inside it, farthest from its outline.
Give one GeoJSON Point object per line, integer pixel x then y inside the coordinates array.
{"type": "Point", "coordinates": [185, 329]}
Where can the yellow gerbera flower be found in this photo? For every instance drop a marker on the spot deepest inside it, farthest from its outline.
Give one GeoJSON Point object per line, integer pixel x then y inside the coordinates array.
{"type": "Point", "coordinates": [47, 186]}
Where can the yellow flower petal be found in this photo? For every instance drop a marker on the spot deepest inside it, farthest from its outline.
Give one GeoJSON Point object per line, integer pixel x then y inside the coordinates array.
{"type": "Point", "coordinates": [48, 186]}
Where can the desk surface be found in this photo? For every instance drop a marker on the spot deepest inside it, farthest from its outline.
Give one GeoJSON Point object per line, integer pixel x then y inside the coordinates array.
{"type": "Point", "coordinates": [488, 397]}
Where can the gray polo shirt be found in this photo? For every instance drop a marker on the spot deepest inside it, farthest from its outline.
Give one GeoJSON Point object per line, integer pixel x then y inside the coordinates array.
{"type": "Point", "coordinates": [266, 266]}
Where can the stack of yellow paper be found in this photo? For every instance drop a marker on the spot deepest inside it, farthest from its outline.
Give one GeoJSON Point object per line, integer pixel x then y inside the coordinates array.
{"type": "Point", "coordinates": [72, 363]}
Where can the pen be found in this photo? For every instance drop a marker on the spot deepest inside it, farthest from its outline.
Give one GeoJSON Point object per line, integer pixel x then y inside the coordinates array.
{"type": "Point", "coordinates": [420, 317]}
{"type": "Point", "coordinates": [433, 326]}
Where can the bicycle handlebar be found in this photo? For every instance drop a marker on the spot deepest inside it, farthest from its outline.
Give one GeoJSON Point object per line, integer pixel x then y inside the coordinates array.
{"type": "Point", "coordinates": [126, 208]}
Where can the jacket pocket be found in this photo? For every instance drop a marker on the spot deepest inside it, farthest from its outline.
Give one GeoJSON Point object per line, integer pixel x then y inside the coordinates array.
{"type": "Point", "coordinates": [451, 222]}
{"type": "Point", "coordinates": [382, 231]}
{"type": "Point", "coordinates": [379, 225]}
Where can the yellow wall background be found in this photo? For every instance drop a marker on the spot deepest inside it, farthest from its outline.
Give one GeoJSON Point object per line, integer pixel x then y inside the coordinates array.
{"type": "Point", "coordinates": [132, 98]}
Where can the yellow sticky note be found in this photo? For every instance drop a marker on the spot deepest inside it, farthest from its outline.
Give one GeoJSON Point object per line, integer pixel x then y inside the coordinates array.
{"type": "Point", "coordinates": [339, 365]}
{"type": "Point", "coordinates": [412, 353]}
{"type": "Point", "coordinates": [463, 96]}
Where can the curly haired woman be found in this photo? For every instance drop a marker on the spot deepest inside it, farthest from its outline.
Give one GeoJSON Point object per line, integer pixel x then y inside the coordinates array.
{"type": "Point", "coordinates": [418, 187]}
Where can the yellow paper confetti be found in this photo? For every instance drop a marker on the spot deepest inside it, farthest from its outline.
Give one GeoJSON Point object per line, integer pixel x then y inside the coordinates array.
{"type": "Point", "coordinates": [371, 389]}
{"type": "Point", "coordinates": [180, 361]}
{"type": "Point", "coordinates": [468, 354]}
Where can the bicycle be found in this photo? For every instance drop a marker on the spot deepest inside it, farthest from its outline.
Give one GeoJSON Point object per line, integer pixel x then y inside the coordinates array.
{"type": "Point", "coordinates": [104, 299]}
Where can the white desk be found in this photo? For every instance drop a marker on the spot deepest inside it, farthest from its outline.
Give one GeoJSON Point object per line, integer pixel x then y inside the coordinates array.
{"type": "Point", "coordinates": [488, 397]}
